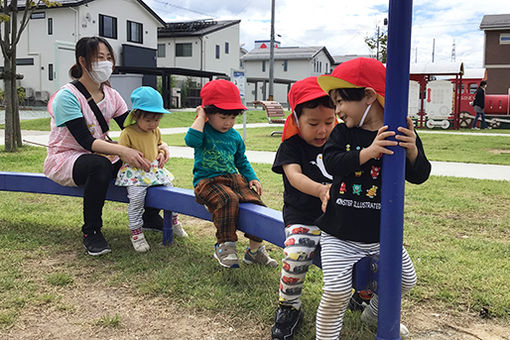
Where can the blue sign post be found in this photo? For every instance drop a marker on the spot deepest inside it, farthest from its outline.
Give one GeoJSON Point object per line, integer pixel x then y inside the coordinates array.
{"type": "Point", "coordinates": [393, 175]}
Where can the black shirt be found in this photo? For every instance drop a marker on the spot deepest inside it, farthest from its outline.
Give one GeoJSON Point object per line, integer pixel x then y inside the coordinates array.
{"type": "Point", "coordinates": [299, 207]}
{"type": "Point", "coordinates": [353, 212]}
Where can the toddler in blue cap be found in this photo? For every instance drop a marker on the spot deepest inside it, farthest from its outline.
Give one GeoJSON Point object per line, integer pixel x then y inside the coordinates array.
{"type": "Point", "coordinates": [141, 132]}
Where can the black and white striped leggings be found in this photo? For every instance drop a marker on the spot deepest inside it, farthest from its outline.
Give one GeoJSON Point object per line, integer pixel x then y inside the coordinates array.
{"type": "Point", "coordinates": [338, 258]}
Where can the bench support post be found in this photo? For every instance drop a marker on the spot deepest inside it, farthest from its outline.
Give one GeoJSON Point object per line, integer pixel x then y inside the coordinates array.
{"type": "Point", "coordinates": [168, 233]}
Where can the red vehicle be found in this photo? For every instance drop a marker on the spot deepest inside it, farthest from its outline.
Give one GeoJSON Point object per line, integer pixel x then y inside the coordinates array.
{"type": "Point", "coordinates": [431, 105]}
{"type": "Point", "coordinates": [497, 106]}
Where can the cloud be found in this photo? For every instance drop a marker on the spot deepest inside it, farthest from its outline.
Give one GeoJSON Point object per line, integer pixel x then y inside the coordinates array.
{"type": "Point", "coordinates": [341, 26]}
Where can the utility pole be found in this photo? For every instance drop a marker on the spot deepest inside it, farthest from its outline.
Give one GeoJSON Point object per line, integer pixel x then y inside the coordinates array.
{"type": "Point", "coordinates": [433, 48]}
{"type": "Point", "coordinates": [271, 55]}
{"type": "Point", "coordinates": [377, 55]}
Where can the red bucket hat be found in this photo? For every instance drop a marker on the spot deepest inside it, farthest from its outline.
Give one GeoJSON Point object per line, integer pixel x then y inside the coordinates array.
{"type": "Point", "coordinates": [355, 73]}
{"type": "Point", "coordinates": [301, 92]}
{"type": "Point", "coordinates": [223, 94]}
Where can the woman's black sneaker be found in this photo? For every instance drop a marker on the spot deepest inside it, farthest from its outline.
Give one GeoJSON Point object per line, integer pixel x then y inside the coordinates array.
{"type": "Point", "coordinates": [152, 220]}
{"type": "Point", "coordinates": [95, 243]}
{"type": "Point", "coordinates": [286, 323]}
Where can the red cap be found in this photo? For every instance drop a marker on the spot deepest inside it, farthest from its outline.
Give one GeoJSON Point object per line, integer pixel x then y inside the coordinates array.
{"type": "Point", "coordinates": [222, 94]}
{"type": "Point", "coordinates": [358, 72]}
{"type": "Point", "coordinates": [305, 90]}
{"type": "Point", "coordinates": [301, 92]}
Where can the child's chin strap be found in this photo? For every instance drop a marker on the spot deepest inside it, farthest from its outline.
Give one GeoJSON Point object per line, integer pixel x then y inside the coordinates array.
{"type": "Point", "coordinates": [297, 120]}
{"type": "Point", "coordinates": [364, 115]}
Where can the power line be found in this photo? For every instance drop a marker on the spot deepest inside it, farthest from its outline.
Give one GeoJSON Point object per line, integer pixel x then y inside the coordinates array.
{"type": "Point", "coordinates": [183, 8]}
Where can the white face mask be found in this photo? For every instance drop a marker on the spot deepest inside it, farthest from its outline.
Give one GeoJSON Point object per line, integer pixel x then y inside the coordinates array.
{"type": "Point", "coordinates": [101, 71]}
{"type": "Point", "coordinates": [364, 115]}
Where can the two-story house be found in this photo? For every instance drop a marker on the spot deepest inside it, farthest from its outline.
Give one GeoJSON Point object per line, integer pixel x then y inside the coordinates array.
{"type": "Point", "coordinates": [205, 45]}
{"type": "Point", "coordinates": [290, 64]}
{"type": "Point", "coordinates": [497, 52]}
{"type": "Point", "coordinates": [45, 51]}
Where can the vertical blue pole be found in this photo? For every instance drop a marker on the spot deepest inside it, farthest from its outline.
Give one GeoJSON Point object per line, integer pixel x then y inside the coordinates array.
{"type": "Point", "coordinates": [393, 174]}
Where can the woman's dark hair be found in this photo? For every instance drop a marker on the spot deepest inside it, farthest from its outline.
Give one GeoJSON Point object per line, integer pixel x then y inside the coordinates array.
{"type": "Point", "coordinates": [88, 48]}
{"type": "Point", "coordinates": [212, 109]}
{"type": "Point", "coordinates": [349, 94]}
{"type": "Point", "coordinates": [483, 83]}
{"type": "Point", "coordinates": [312, 104]}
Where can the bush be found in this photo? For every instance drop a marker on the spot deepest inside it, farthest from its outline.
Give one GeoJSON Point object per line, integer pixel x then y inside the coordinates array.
{"type": "Point", "coordinates": [21, 96]}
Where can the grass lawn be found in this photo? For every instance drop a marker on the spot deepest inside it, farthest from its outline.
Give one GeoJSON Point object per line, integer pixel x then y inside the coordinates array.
{"type": "Point", "coordinates": [456, 231]}
{"type": "Point", "coordinates": [175, 119]}
{"type": "Point", "coordinates": [438, 147]}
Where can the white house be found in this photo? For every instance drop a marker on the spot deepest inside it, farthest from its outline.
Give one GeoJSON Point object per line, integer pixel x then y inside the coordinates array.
{"type": "Point", "coordinates": [290, 64]}
{"type": "Point", "coordinates": [45, 51]}
{"type": "Point", "coordinates": [205, 45]}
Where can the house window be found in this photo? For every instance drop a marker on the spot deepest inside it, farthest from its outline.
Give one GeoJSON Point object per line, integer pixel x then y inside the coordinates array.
{"type": "Point", "coordinates": [24, 61]}
{"type": "Point", "coordinates": [50, 71]}
{"type": "Point", "coordinates": [285, 65]}
{"type": "Point", "coordinates": [473, 87]}
{"type": "Point", "coordinates": [227, 48]}
{"type": "Point", "coordinates": [263, 66]}
{"type": "Point", "coordinates": [134, 32]}
{"type": "Point", "coordinates": [183, 50]}
{"type": "Point", "coordinates": [504, 38]}
{"type": "Point", "coordinates": [50, 26]}
{"type": "Point", "coordinates": [107, 26]}
{"type": "Point", "coordinates": [38, 15]}
{"type": "Point", "coordinates": [217, 51]}
{"type": "Point", "coordinates": [327, 69]}
{"type": "Point", "coordinates": [161, 50]}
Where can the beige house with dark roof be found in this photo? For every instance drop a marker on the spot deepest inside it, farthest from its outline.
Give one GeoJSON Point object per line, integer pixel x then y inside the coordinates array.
{"type": "Point", "coordinates": [497, 52]}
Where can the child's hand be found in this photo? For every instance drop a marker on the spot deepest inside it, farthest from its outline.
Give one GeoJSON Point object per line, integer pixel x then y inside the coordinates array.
{"type": "Point", "coordinates": [408, 140]}
{"type": "Point", "coordinates": [201, 112]}
{"type": "Point", "coordinates": [135, 159]}
{"type": "Point", "coordinates": [379, 145]}
{"type": "Point", "coordinates": [254, 184]}
{"type": "Point", "coordinates": [163, 154]}
{"type": "Point", "coordinates": [324, 195]}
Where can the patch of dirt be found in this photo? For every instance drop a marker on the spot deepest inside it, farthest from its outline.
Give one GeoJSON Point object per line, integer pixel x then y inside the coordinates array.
{"type": "Point", "coordinates": [427, 324]}
{"type": "Point", "coordinates": [498, 151]}
{"type": "Point", "coordinates": [83, 312]}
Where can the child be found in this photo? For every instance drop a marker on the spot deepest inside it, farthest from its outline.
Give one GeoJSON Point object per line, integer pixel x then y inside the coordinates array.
{"type": "Point", "coordinates": [306, 186]}
{"type": "Point", "coordinates": [350, 225]}
{"type": "Point", "coordinates": [141, 132]}
{"type": "Point", "coordinates": [222, 175]}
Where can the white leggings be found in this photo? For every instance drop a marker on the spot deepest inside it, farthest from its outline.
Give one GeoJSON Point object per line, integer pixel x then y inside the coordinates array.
{"type": "Point", "coordinates": [338, 258]}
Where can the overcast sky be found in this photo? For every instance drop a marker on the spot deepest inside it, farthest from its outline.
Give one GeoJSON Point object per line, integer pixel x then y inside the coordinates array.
{"type": "Point", "coordinates": [342, 25]}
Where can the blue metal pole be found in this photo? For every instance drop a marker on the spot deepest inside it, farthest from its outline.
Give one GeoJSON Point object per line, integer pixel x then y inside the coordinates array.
{"type": "Point", "coordinates": [393, 174]}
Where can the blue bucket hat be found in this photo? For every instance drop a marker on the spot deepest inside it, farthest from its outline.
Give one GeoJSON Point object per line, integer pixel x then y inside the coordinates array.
{"type": "Point", "coordinates": [147, 99]}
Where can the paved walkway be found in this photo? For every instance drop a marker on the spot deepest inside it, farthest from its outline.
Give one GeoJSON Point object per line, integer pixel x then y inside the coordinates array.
{"type": "Point", "coordinates": [452, 169]}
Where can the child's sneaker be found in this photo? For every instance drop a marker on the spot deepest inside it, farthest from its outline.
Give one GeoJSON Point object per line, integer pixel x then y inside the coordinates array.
{"type": "Point", "coordinates": [368, 318]}
{"type": "Point", "coordinates": [260, 257]}
{"type": "Point", "coordinates": [286, 322]}
{"type": "Point", "coordinates": [140, 243]}
{"type": "Point", "coordinates": [226, 254]}
{"type": "Point", "coordinates": [179, 230]}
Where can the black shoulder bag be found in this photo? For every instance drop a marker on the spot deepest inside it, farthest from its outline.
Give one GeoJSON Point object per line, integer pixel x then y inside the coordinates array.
{"type": "Point", "coordinates": [94, 107]}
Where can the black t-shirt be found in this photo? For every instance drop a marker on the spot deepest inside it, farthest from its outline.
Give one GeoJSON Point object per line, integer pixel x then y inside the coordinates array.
{"type": "Point", "coordinates": [299, 207]}
{"type": "Point", "coordinates": [353, 212]}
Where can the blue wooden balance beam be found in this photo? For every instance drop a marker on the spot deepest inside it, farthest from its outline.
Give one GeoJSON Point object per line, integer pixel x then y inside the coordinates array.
{"type": "Point", "coordinates": [254, 219]}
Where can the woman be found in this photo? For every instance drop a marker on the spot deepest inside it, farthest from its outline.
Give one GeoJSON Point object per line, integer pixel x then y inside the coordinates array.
{"type": "Point", "coordinates": [79, 153]}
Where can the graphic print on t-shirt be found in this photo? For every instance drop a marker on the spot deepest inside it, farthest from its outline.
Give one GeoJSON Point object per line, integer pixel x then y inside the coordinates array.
{"type": "Point", "coordinates": [319, 162]}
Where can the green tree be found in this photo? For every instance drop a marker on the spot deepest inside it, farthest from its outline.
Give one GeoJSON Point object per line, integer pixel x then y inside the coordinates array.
{"type": "Point", "coordinates": [372, 41]}
{"type": "Point", "coordinates": [9, 38]}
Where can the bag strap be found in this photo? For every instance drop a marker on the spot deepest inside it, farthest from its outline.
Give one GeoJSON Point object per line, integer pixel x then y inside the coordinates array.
{"type": "Point", "coordinates": [92, 104]}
